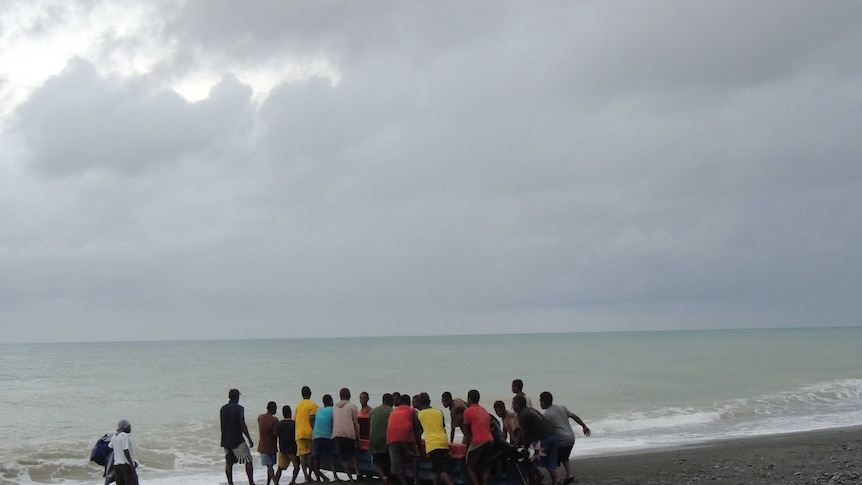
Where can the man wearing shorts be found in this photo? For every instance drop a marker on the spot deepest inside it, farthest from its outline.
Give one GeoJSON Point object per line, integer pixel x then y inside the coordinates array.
{"type": "Point", "coordinates": [286, 431]}
{"type": "Point", "coordinates": [478, 438]}
{"type": "Point", "coordinates": [322, 439]}
{"type": "Point", "coordinates": [267, 444]}
{"type": "Point", "coordinates": [233, 428]}
{"type": "Point", "coordinates": [378, 421]}
{"type": "Point", "coordinates": [436, 443]}
{"type": "Point", "coordinates": [559, 415]}
{"type": "Point", "coordinates": [305, 409]}
{"type": "Point", "coordinates": [345, 432]}
{"type": "Point", "coordinates": [404, 440]}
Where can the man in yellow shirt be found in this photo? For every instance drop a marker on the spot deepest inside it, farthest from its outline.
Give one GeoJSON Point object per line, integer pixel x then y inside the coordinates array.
{"type": "Point", "coordinates": [305, 411]}
{"type": "Point", "coordinates": [434, 432]}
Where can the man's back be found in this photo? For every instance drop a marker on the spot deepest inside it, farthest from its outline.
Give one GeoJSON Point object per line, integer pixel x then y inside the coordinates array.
{"type": "Point", "coordinates": [345, 420]}
{"type": "Point", "coordinates": [534, 425]}
{"type": "Point", "coordinates": [304, 410]}
{"type": "Point", "coordinates": [434, 429]}
{"type": "Point", "coordinates": [266, 426]}
{"type": "Point", "coordinates": [558, 417]}
{"type": "Point", "coordinates": [323, 423]}
{"type": "Point", "coordinates": [231, 425]}
{"type": "Point", "coordinates": [400, 426]}
{"type": "Point", "coordinates": [479, 421]}
{"type": "Point", "coordinates": [378, 421]}
{"type": "Point", "coordinates": [286, 431]}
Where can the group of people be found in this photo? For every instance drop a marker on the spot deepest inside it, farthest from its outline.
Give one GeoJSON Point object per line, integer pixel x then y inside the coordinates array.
{"type": "Point", "coordinates": [313, 436]}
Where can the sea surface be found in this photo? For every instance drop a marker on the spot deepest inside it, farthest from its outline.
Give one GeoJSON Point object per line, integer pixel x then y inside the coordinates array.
{"type": "Point", "coordinates": [636, 390]}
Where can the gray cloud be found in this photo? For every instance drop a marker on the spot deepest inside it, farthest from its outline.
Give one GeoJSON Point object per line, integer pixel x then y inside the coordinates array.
{"type": "Point", "coordinates": [475, 169]}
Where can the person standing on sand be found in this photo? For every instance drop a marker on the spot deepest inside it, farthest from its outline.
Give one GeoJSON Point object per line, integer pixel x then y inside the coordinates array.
{"type": "Point", "coordinates": [286, 431]}
{"type": "Point", "coordinates": [322, 440]}
{"type": "Point", "coordinates": [233, 428]}
{"type": "Point", "coordinates": [558, 416]}
{"type": "Point", "coordinates": [456, 413]}
{"type": "Point", "coordinates": [478, 438]}
{"type": "Point", "coordinates": [509, 420]}
{"type": "Point", "coordinates": [518, 389]}
{"type": "Point", "coordinates": [378, 420]}
{"type": "Point", "coordinates": [267, 444]}
{"type": "Point", "coordinates": [404, 440]}
{"type": "Point", "coordinates": [345, 432]}
{"type": "Point", "coordinates": [436, 445]}
{"type": "Point", "coordinates": [125, 467]}
{"type": "Point", "coordinates": [537, 434]}
{"type": "Point", "coordinates": [305, 410]}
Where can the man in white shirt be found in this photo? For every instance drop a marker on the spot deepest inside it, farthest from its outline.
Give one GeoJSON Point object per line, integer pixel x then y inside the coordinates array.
{"type": "Point", "coordinates": [124, 464]}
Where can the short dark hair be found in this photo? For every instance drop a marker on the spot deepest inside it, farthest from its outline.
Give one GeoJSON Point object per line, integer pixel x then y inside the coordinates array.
{"type": "Point", "coordinates": [520, 400]}
{"type": "Point", "coordinates": [499, 404]}
{"type": "Point", "coordinates": [387, 399]}
{"type": "Point", "coordinates": [233, 394]}
{"type": "Point", "coordinates": [447, 395]}
{"type": "Point", "coordinates": [327, 400]}
{"type": "Point", "coordinates": [424, 399]}
{"type": "Point", "coordinates": [405, 399]}
{"type": "Point", "coordinates": [518, 384]}
{"type": "Point", "coordinates": [344, 393]}
{"type": "Point", "coordinates": [546, 397]}
{"type": "Point", "coordinates": [271, 406]}
{"type": "Point", "coordinates": [306, 392]}
{"type": "Point", "coordinates": [286, 411]}
{"type": "Point", "coordinates": [473, 396]}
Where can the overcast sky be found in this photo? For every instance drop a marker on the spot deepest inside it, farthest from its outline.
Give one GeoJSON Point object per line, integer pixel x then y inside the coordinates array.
{"type": "Point", "coordinates": [221, 169]}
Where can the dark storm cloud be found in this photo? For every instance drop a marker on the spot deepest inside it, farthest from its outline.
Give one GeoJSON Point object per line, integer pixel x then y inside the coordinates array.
{"type": "Point", "coordinates": [478, 168]}
{"type": "Point", "coordinates": [78, 122]}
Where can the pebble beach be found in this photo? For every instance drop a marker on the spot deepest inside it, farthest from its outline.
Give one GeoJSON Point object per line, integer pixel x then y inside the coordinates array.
{"type": "Point", "coordinates": [832, 456]}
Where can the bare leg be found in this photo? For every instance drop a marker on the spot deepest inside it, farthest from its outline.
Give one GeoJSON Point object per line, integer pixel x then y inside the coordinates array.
{"type": "Point", "coordinates": [473, 477]}
{"type": "Point", "coordinates": [270, 475]}
{"type": "Point", "coordinates": [295, 472]}
{"type": "Point", "coordinates": [228, 470]}
{"type": "Point", "coordinates": [553, 474]}
{"type": "Point", "coordinates": [250, 472]}
{"type": "Point", "coordinates": [303, 460]}
{"type": "Point", "coordinates": [569, 474]}
{"type": "Point", "coordinates": [356, 468]}
{"type": "Point", "coordinates": [446, 479]}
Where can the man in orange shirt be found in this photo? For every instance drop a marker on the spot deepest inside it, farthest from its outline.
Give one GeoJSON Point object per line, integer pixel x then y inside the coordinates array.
{"type": "Point", "coordinates": [478, 438]}
{"type": "Point", "coordinates": [404, 439]}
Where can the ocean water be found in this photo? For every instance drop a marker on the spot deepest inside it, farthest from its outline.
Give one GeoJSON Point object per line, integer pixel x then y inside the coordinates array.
{"type": "Point", "coordinates": [636, 390]}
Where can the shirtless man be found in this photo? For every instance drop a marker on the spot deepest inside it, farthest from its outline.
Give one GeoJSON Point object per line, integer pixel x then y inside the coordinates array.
{"type": "Point", "coordinates": [456, 413]}
{"type": "Point", "coordinates": [509, 419]}
{"type": "Point", "coordinates": [364, 408]}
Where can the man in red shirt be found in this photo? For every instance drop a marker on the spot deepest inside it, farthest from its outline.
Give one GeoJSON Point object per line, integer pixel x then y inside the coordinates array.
{"type": "Point", "coordinates": [478, 438]}
{"type": "Point", "coordinates": [404, 439]}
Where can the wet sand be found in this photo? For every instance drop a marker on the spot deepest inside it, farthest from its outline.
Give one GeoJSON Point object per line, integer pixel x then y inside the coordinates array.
{"type": "Point", "coordinates": [815, 457]}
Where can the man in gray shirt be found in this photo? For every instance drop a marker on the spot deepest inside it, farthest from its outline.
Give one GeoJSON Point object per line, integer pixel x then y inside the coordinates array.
{"type": "Point", "coordinates": [558, 415]}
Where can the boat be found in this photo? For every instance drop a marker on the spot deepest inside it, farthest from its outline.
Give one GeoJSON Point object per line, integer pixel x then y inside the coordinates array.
{"type": "Point", "coordinates": [508, 472]}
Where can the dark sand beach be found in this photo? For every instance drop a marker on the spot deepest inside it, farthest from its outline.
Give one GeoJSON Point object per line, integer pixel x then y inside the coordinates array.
{"type": "Point", "coordinates": [816, 457]}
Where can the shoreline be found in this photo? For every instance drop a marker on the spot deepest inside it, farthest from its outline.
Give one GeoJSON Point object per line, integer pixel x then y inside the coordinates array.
{"type": "Point", "coordinates": [828, 456]}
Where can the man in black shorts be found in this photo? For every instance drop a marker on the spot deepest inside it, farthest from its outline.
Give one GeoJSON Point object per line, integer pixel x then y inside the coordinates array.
{"type": "Point", "coordinates": [233, 428]}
